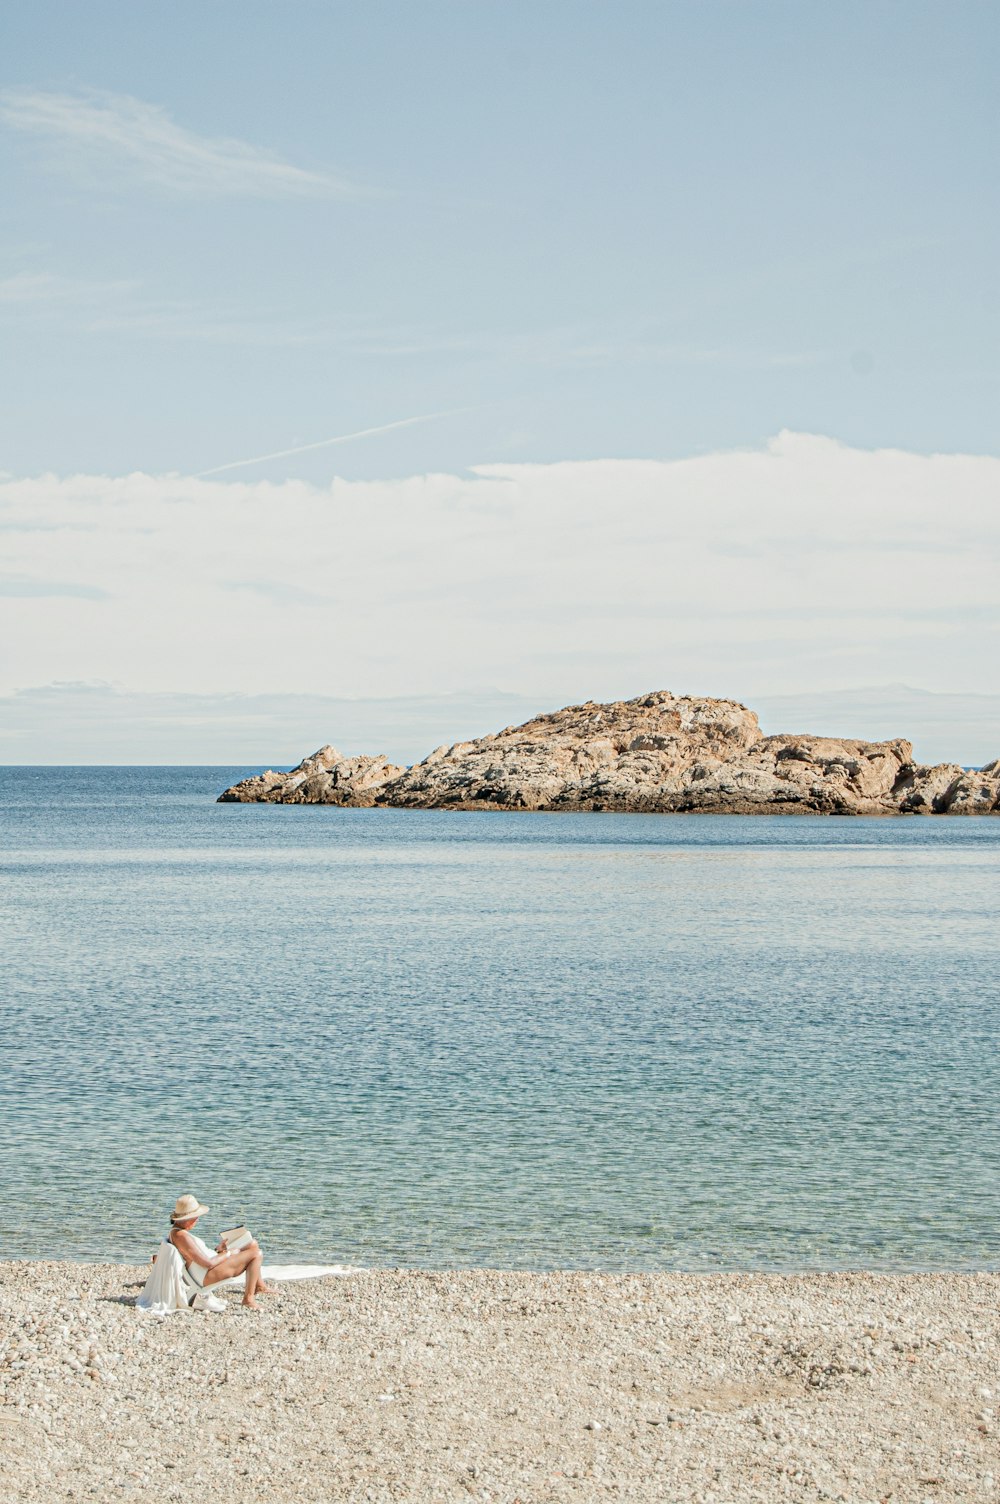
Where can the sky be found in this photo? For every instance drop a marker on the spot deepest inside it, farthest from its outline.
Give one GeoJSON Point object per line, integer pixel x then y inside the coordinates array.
{"type": "Point", "coordinates": [475, 357]}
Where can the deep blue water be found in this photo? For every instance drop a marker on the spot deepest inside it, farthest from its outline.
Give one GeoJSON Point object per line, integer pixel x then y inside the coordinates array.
{"type": "Point", "coordinates": [539, 1041]}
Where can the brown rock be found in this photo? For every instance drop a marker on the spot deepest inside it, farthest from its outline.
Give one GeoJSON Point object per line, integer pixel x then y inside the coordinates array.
{"type": "Point", "coordinates": [657, 753]}
{"type": "Point", "coordinates": [976, 792]}
{"type": "Point", "coordinates": [927, 791]}
{"type": "Point", "coordinates": [324, 778]}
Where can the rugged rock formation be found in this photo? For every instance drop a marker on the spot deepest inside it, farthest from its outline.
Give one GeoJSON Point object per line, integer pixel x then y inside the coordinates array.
{"type": "Point", "coordinates": [660, 752]}
{"type": "Point", "coordinates": [326, 777]}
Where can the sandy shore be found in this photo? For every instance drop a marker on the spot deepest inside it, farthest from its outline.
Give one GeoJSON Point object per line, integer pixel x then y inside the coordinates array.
{"type": "Point", "coordinates": [504, 1387]}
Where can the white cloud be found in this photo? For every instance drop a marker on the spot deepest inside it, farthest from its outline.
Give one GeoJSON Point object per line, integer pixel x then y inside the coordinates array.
{"type": "Point", "coordinates": [115, 133]}
{"type": "Point", "coordinates": [803, 565]}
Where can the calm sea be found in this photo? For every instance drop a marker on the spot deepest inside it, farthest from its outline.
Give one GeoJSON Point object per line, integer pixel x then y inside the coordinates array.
{"type": "Point", "coordinates": [527, 1041]}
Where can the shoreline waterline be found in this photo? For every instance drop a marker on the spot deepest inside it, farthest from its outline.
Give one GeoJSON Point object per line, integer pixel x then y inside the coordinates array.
{"type": "Point", "coordinates": [598, 1271]}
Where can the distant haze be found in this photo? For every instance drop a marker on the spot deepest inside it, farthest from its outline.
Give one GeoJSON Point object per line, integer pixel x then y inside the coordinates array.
{"type": "Point", "coordinates": [942, 727]}
{"type": "Point", "coordinates": [65, 724]}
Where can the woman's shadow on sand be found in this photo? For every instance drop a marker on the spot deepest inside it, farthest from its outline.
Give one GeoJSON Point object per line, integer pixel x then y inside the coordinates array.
{"type": "Point", "coordinates": [123, 1300]}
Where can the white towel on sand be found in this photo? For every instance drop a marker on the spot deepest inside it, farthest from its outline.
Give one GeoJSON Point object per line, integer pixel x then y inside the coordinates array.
{"type": "Point", "coordinates": [166, 1289]}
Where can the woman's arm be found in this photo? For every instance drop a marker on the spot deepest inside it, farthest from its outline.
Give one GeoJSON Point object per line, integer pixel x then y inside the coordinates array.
{"type": "Point", "coordinates": [189, 1250]}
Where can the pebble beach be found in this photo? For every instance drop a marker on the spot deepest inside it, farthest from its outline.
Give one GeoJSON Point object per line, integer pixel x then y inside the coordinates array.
{"type": "Point", "coordinates": [512, 1388]}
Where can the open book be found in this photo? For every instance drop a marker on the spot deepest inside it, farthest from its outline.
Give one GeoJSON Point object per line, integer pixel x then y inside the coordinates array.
{"type": "Point", "coordinates": [236, 1238]}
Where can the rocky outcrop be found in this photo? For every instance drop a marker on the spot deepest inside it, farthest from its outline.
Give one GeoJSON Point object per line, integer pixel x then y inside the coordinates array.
{"type": "Point", "coordinates": [324, 778]}
{"type": "Point", "coordinates": [658, 753]}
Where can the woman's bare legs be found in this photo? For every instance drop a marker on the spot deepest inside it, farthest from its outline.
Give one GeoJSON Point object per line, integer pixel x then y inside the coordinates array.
{"type": "Point", "coordinates": [261, 1289]}
{"type": "Point", "coordinates": [246, 1262]}
{"type": "Point", "coordinates": [252, 1281]}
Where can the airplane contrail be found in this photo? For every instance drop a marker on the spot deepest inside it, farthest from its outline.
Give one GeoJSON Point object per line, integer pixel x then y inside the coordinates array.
{"type": "Point", "coordinates": [341, 438]}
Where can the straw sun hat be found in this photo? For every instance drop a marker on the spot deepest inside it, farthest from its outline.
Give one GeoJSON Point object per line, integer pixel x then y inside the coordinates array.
{"type": "Point", "coordinates": [187, 1206]}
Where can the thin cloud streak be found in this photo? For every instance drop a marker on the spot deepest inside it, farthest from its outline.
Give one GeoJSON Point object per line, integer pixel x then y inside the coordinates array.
{"type": "Point", "coordinates": [122, 307]}
{"type": "Point", "coordinates": [47, 292]}
{"type": "Point", "coordinates": [342, 438]}
{"type": "Point", "coordinates": [130, 133]}
{"type": "Point", "coordinates": [27, 587]}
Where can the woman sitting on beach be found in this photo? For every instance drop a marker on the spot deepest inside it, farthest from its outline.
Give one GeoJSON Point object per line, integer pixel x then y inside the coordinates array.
{"type": "Point", "coordinates": [207, 1268]}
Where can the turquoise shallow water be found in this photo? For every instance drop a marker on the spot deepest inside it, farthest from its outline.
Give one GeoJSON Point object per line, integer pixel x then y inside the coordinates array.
{"type": "Point", "coordinates": [531, 1041]}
